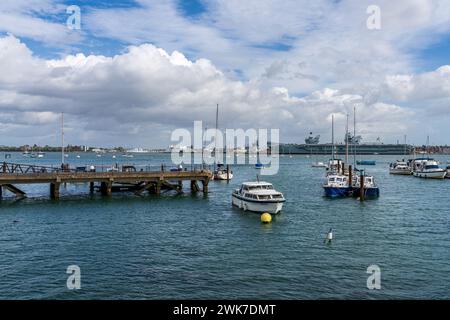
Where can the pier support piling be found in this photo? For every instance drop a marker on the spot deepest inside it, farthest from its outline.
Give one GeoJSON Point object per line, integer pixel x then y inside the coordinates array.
{"type": "Point", "coordinates": [106, 188]}
{"type": "Point", "coordinates": [91, 187]}
{"type": "Point", "coordinates": [361, 186]}
{"type": "Point", "coordinates": [54, 190]}
{"type": "Point", "coordinates": [205, 186]}
{"type": "Point", "coordinates": [158, 188]}
{"type": "Point", "coordinates": [194, 186]}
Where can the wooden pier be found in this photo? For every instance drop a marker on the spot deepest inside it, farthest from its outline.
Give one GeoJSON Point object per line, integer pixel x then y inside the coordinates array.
{"type": "Point", "coordinates": [125, 178]}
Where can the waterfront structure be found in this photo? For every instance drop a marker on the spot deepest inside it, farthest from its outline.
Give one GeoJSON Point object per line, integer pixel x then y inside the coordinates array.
{"type": "Point", "coordinates": [340, 149]}
{"type": "Point", "coordinates": [125, 178]}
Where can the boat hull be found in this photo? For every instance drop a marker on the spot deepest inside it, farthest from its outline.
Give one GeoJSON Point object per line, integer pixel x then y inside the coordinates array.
{"type": "Point", "coordinates": [273, 207]}
{"type": "Point", "coordinates": [400, 172]}
{"type": "Point", "coordinates": [373, 192]}
{"type": "Point", "coordinates": [366, 163]}
{"type": "Point", "coordinates": [336, 192]}
{"type": "Point", "coordinates": [223, 176]}
{"type": "Point", "coordinates": [431, 175]}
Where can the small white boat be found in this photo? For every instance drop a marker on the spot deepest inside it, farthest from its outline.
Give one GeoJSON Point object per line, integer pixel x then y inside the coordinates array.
{"type": "Point", "coordinates": [127, 156]}
{"type": "Point", "coordinates": [428, 169]}
{"type": "Point", "coordinates": [221, 173]}
{"type": "Point", "coordinates": [319, 164]}
{"type": "Point", "coordinates": [400, 168]}
{"type": "Point", "coordinates": [258, 197]}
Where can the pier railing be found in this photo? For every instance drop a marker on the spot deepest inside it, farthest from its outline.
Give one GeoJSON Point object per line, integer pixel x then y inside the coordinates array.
{"type": "Point", "coordinates": [23, 169]}
{"type": "Point", "coordinates": [18, 168]}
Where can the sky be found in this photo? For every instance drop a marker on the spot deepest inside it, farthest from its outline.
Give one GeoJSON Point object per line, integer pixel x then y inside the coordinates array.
{"type": "Point", "coordinates": [136, 70]}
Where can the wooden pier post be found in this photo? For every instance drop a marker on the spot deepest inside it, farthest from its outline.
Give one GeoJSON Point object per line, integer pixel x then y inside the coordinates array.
{"type": "Point", "coordinates": [361, 187]}
{"type": "Point", "coordinates": [194, 186]}
{"type": "Point", "coordinates": [91, 187]}
{"type": "Point", "coordinates": [106, 188]}
{"type": "Point", "coordinates": [54, 190]}
{"type": "Point", "coordinates": [1, 192]}
{"type": "Point", "coordinates": [350, 178]}
{"type": "Point", "coordinates": [158, 188]}
{"type": "Point", "coordinates": [228, 173]}
{"type": "Point", "coordinates": [205, 186]}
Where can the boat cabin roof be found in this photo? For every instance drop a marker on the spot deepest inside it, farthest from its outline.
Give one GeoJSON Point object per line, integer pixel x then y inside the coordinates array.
{"type": "Point", "coordinates": [256, 184]}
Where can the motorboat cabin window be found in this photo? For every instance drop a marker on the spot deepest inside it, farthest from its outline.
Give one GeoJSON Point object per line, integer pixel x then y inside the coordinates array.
{"type": "Point", "coordinates": [433, 166]}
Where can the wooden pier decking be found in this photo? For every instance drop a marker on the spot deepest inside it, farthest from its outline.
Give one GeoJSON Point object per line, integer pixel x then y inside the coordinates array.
{"type": "Point", "coordinates": [138, 182]}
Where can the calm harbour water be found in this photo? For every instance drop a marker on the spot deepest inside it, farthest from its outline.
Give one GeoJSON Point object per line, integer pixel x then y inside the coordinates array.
{"type": "Point", "coordinates": [196, 247]}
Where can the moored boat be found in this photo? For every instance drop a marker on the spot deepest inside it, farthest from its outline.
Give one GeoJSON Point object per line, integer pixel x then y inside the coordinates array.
{"type": "Point", "coordinates": [428, 169]}
{"type": "Point", "coordinates": [258, 197]}
{"type": "Point", "coordinates": [371, 190]}
{"type": "Point", "coordinates": [400, 168]}
{"type": "Point", "coordinates": [366, 162]}
{"type": "Point", "coordinates": [221, 173]}
{"type": "Point", "coordinates": [319, 164]}
{"type": "Point", "coordinates": [337, 185]}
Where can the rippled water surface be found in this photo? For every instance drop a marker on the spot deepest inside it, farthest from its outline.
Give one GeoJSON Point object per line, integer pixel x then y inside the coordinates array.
{"type": "Point", "coordinates": [186, 246]}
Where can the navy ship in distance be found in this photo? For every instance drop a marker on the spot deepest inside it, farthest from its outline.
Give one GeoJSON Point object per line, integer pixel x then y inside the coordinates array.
{"type": "Point", "coordinates": [313, 146]}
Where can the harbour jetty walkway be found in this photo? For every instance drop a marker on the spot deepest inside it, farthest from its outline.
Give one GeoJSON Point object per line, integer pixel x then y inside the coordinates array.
{"type": "Point", "coordinates": [116, 179]}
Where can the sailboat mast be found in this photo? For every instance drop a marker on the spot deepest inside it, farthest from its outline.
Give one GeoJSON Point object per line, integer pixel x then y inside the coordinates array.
{"type": "Point", "coordinates": [354, 137]}
{"type": "Point", "coordinates": [346, 141]}
{"type": "Point", "coordinates": [217, 128]}
{"type": "Point", "coordinates": [405, 143]}
{"type": "Point", "coordinates": [332, 135]}
{"type": "Point", "coordinates": [62, 138]}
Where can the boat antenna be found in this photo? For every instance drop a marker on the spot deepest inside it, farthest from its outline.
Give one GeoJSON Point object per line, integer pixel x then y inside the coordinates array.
{"type": "Point", "coordinates": [257, 177]}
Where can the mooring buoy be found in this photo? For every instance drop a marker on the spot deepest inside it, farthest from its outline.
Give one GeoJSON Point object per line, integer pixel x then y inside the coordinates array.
{"type": "Point", "coordinates": [266, 218]}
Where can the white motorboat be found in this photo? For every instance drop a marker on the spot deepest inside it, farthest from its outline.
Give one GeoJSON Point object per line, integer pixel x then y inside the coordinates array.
{"type": "Point", "coordinates": [400, 168]}
{"type": "Point", "coordinates": [258, 197]}
{"type": "Point", "coordinates": [428, 169]}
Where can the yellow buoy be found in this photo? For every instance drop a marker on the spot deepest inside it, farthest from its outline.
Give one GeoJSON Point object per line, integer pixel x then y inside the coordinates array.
{"type": "Point", "coordinates": [266, 218]}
